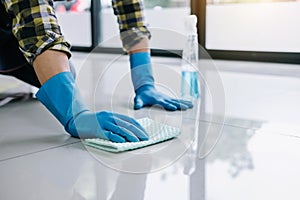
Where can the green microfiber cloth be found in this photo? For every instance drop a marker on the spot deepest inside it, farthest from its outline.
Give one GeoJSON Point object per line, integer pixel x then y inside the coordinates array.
{"type": "Point", "coordinates": [158, 132]}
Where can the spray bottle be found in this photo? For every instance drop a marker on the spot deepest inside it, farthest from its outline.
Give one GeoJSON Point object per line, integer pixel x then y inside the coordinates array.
{"type": "Point", "coordinates": [189, 63]}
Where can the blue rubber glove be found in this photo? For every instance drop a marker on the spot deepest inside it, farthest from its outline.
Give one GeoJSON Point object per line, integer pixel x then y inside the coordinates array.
{"type": "Point", "coordinates": [61, 97]}
{"type": "Point", "coordinates": [147, 95]}
{"type": "Point", "coordinates": [143, 82]}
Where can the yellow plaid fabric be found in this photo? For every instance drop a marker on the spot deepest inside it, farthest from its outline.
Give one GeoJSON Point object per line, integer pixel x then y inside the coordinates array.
{"type": "Point", "coordinates": [132, 23]}
{"type": "Point", "coordinates": [35, 26]}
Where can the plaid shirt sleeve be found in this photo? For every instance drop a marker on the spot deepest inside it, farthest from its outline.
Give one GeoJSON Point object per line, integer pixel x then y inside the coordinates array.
{"type": "Point", "coordinates": [35, 26]}
{"type": "Point", "coordinates": [132, 23]}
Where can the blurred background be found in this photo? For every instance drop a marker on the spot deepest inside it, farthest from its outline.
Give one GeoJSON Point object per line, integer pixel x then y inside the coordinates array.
{"type": "Point", "coordinates": [236, 25]}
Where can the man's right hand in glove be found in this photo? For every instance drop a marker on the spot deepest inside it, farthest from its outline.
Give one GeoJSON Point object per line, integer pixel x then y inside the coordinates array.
{"type": "Point", "coordinates": [61, 97]}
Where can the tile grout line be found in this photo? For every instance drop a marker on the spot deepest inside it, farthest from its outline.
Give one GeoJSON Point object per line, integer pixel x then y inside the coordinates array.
{"type": "Point", "coordinates": [31, 153]}
{"type": "Point", "coordinates": [243, 127]}
{"type": "Point", "coordinates": [225, 124]}
{"type": "Point", "coordinates": [205, 121]}
{"type": "Point", "coordinates": [255, 129]}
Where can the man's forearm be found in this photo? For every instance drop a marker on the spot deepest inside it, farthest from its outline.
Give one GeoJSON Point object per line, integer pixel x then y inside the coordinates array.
{"type": "Point", "coordinates": [50, 63]}
{"type": "Point", "coordinates": [142, 46]}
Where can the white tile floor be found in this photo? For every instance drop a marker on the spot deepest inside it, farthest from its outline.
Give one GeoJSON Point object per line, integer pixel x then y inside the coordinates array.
{"type": "Point", "coordinates": [255, 154]}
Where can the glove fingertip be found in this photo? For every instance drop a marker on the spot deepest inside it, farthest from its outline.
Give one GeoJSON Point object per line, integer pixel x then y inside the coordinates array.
{"type": "Point", "coordinates": [188, 103]}
{"type": "Point", "coordinates": [132, 139]}
{"type": "Point", "coordinates": [144, 138]}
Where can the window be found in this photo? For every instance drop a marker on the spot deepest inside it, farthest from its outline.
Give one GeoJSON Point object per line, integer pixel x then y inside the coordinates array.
{"type": "Point", "coordinates": [253, 25]}
{"type": "Point", "coordinates": [75, 20]}
{"type": "Point", "coordinates": [164, 17]}
{"type": "Point", "coordinates": [256, 30]}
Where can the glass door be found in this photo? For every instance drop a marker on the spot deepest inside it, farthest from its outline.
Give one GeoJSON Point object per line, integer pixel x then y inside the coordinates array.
{"type": "Point", "coordinates": [76, 21]}
{"type": "Point", "coordinates": [253, 25]}
{"type": "Point", "coordinates": [256, 30]}
{"type": "Point", "coordinates": [165, 15]}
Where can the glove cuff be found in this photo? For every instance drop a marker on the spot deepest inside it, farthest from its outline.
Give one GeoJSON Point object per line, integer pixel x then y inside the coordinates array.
{"type": "Point", "coordinates": [141, 72]}
{"type": "Point", "coordinates": [61, 97]}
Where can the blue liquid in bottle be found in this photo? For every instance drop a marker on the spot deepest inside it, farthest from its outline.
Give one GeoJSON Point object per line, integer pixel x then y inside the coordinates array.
{"type": "Point", "coordinates": [189, 85]}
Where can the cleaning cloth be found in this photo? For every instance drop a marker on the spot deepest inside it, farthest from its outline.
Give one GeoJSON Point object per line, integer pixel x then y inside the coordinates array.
{"type": "Point", "coordinates": [158, 132]}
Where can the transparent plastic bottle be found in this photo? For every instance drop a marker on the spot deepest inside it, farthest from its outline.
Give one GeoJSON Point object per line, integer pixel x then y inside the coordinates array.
{"type": "Point", "coordinates": [189, 63]}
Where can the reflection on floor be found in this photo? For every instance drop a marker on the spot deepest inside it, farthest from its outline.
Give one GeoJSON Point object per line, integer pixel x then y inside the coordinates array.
{"type": "Point", "coordinates": [249, 148]}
